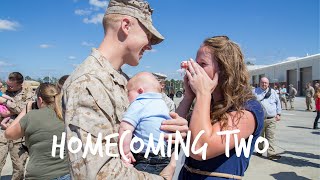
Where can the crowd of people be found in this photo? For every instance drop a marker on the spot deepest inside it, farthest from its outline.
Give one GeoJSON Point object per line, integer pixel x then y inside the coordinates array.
{"type": "Point", "coordinates": [99, 98]}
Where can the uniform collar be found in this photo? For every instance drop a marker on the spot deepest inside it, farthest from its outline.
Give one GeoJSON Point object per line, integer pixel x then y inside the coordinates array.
{"type": "Point", "coordinates": [105, 64]}
{"type": "Point", "coordinates": [149, 95]}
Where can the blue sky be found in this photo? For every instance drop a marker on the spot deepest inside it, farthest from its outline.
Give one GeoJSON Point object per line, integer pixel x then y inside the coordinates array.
{"type": "Point", "coordinates": [51, 37]}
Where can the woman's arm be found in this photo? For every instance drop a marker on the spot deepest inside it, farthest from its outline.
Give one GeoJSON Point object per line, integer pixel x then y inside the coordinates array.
{"type": "Point", "coordinates": [200, 120]}
{"type": "Point", "coordinates": [203, 86]}
{"type": "Point", "coordinates": [14, 131]}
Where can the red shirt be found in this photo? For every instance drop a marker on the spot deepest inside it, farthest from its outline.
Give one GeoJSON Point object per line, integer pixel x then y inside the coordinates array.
{"type": "Point", "coordinates": [318, 102]}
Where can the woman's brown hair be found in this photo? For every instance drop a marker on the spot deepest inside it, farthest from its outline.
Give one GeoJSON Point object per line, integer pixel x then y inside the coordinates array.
{"type": "Point", "coordinates": [233, 79]}
{"type": "Point", "coordinates": [50, 95]}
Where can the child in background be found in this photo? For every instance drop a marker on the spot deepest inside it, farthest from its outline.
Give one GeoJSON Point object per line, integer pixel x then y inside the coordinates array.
{"type": "Point", "coordinates": [144, 116]}
{"type": "Point", "coordinates": [4, 111]}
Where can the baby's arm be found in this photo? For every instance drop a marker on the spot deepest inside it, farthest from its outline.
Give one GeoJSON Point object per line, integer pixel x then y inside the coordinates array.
{"type": "Point", "coordinates": [7, 97]}
{"type": "Point", "coordinates": [4, 122]}
{"type": "Point", "coordinates": [124, 126]}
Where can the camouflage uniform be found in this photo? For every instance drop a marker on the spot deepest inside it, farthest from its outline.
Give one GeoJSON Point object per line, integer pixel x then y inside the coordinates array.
{"type": "Point", "coordinates": [94, 99]}
{"type": "Point", "coordinates": [169, 102]}
{"type": "Point", "coordinates": [18, 157]}
{"type": "Point", "coordinates": [309, 97]}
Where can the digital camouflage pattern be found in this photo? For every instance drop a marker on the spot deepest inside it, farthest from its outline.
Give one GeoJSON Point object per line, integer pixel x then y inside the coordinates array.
{"type": "Point", "coordinates": [169, 102]}
{"type": "Point", "coordinates": [18, 156]}
{"type": "Point", "coordinates": [94, 100]}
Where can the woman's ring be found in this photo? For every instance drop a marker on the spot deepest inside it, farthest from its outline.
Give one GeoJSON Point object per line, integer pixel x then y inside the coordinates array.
{"type": "Point", "coordinates": [192, 74]}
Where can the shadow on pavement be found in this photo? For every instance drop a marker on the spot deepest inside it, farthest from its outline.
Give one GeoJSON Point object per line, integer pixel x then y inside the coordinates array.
{"type": "Point", "coordinates": [7, 177]}
{"type": "Point", "coordinates": [296, 162]}
{"type": "Point", "coordinates": [316, 132]}
{"type": "Point", "coordinates": [301, 127]}
{"type": "Point", "coordinates": [288, 175]}
{"type": "Point", "coordinates": [302, 154]}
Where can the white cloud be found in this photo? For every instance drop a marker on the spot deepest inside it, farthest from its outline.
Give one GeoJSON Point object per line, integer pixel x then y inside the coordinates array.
{"type": "Point", "coordinates": [94, 19]}
{"type": "Point", "coordinates": [151, 51]}
{"type": "Point", "coordinates": [3, 63]}
{"type": "Point", "coordinates": [72, 57]}
{"type": "Point", "coordinates": [82, 12]}
{"type": "Point", "coordinates": [97, 3]}
{"type": "Point", "coordinates": [44, 46]}
{"type": "Point", "coordinates": [251, 59]}
{"type": "Point", "coordinates": [85, 43]}
{"type": "Point", "coordinates": [291, 58]}
{"type": "Point", "coordinates": [148, 67]}
{"type": "Point", "coordinates": [8, 25]}
{"type": "Point", "coordinates": [181, 71]}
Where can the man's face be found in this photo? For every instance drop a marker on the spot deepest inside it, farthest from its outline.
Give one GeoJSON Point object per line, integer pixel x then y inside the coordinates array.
{"type": "Point", "coordinates": [138, 42]}
{"type": "Point", "coordinates": [264, 83]}
{"type": "Point", "coordinates": [13, 86]}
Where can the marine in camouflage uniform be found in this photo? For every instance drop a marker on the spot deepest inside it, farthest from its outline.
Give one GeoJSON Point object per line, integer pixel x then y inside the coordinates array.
{"type": "Point", "coordinates": [95, 94]}
{"type": "Point", "coordinates": [95, 98]}
{"type": "Point", "coordinates": [18, 155]}
{"type": "Point", "coordinates": [169, 102]}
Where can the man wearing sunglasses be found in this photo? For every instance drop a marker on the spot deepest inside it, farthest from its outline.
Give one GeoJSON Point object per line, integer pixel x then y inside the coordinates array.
{"type": "Point", "coordinates": [21, 96]}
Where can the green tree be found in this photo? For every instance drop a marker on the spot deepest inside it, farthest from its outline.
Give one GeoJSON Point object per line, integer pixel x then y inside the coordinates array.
{"type": "Point", "coordinates": [46, 79]}
{"type": "Point", "coordinates": [28, 78]}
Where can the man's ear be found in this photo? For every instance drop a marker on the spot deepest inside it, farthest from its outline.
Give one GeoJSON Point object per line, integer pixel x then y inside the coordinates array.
{"type": "Point", "coordinates": [126, 25]}
{"type": "Point", "coordinates": [140, 90]}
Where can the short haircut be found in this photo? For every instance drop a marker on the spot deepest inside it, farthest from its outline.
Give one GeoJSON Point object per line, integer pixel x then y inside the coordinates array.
{"type": "Point", "coordinates": [16, 77]}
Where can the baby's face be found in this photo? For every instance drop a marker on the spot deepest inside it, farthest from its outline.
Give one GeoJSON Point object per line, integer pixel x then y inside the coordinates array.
{"type": "Point", "coordinates": [132, 94]}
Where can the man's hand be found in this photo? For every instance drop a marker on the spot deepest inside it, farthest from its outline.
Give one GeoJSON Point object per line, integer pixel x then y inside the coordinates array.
{"type": "Point", "coordinates": [278, 117]}
{"type": "Point", "coordinates": [177, 123]}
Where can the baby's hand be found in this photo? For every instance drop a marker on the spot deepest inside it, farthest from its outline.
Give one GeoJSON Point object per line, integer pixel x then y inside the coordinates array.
{"type": "Point", "coordinates": [4, 122]}
{"type": "Point", "coordinates": [130, 158]}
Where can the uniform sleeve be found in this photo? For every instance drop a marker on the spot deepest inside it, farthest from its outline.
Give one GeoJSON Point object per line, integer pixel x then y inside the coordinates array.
{"type": "Point", "coordinates": [89, 109]}
{"type": "Point", "coordinates": [20, 101]}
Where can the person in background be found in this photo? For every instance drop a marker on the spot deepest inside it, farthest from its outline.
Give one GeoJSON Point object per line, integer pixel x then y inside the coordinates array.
{"type": "Point", "coordinates": [277, 89]}
{"type": "Point", "coordinates": [283, 99]}
{"type": "Point", "coordinates": [169, 101]}
{"type": "Point", "coordinates": [316, 120]}
{"type": "Point", "coordinates": [309, 96]}
{"type": "Point", "coordinates": [21, 97]}
{"type": "Point", "coordinates": [171, 93]}
{"type": "Point", "coordinates": [39, 126]}
{"type": "Point", "coordinates": [272, 105]}
{"type": "Point", "coordinates": [316, 87]}
{"type": "Point", "coordinates": [61, 81]}
{"type": "Point", "coordinates": [292, 95]}
{"type": "Point", "coordinates": [4, 111]}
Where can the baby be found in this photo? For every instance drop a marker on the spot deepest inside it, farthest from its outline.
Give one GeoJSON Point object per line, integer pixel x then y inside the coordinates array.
{"type": "Point", "coordinates": [144, 116]}
{"type": "Point", "coordinates": [4, 111]}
